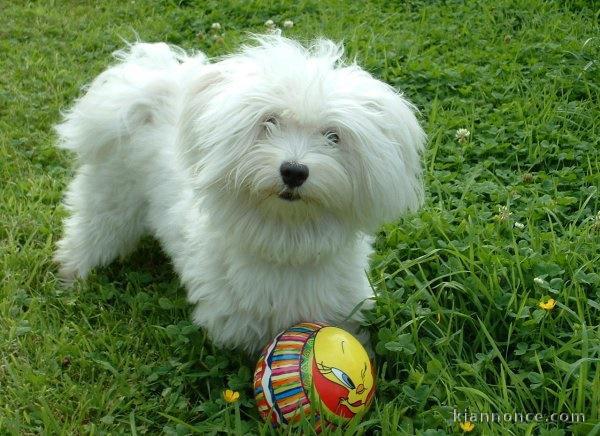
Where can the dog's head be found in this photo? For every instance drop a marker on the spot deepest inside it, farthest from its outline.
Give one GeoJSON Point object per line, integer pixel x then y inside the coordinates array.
{"type": "Point", "coordinates": [285, 136]}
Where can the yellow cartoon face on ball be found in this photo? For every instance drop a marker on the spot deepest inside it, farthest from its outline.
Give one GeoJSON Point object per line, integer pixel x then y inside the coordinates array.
{"type": "Point", "coordinates": [342, 375]}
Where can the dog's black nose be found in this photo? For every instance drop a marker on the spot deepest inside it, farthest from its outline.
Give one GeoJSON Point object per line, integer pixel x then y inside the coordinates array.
{"type": "Point", "coordinates": [293, 174]}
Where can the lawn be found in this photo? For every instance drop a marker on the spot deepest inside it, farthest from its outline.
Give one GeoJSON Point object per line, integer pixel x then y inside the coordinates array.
{"type": "Point", "coordinates": [511, 220]}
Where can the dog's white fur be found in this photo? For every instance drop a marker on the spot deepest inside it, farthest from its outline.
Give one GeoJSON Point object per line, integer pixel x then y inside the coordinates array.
{"type": "Point", "coordinates": [190, 151]}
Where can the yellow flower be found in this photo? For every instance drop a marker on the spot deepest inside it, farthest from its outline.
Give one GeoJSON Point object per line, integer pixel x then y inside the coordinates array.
{"type": "Point", "coordinates": [230, 396]}
{"type": "Point", "coordinates": [548, 305]}
{"type": "Point", "coordinates": [466, 426]}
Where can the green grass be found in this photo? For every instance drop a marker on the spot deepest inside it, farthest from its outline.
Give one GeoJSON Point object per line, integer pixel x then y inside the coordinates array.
{"type": "Point", "coordinates": [457, 323]}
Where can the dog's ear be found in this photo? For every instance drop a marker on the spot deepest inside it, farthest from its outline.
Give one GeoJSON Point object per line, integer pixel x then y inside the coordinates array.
{"type": "Point", "coordinates": [201, 82]}
{"type": "Point", "coordinates": [200, 87]}
{"type": "Point", "coordinates": [392, 169]}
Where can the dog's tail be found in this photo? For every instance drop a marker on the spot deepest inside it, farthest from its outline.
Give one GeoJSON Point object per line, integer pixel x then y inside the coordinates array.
{"type": "Point", "coordinates": [126, 97]}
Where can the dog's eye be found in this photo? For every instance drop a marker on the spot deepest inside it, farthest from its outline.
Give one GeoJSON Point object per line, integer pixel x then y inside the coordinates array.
{"type": "Point", "coordinates": [271, 122]}
{"type": "Point", "coordinates": [332, 136]}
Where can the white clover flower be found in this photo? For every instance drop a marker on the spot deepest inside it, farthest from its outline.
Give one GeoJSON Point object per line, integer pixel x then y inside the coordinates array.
{"type": "Point", "coordinates": [270, 23]}
{"type": "Point", "coordinates": [215, 26]}
{"type": "Point", "coordinates": [462, 135]}
{"type": "Point", "coordinates": [288, 24]}
{"type": "Point", "coordinates": [504, 213]}
{"type": "Point", "coordinates": [527, 177]}
{"type": "Point", "coordinates": [539, 281]}
{"type": "Point", "coordinates": [519, 225]}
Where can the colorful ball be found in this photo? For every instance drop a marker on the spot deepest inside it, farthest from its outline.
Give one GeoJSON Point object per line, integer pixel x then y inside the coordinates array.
{"type": "Point", "coordinates": [313, 369]}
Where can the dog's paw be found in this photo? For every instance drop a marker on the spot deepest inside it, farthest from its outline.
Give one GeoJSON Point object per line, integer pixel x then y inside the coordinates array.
{"type": "Point", "coordinates": [67, 272]}
{"type": "Point", "coordinates": [66, 277]}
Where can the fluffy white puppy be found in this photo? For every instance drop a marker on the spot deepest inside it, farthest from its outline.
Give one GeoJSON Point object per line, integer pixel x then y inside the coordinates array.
{"type": "Point", "coordinates": [261, 174]}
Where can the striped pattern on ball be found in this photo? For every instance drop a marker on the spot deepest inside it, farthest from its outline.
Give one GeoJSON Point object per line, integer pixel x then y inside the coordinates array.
{"type": "Point", "coordinates": [278, 385]}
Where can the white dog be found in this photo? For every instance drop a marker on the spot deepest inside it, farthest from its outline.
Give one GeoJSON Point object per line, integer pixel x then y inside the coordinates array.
{"type": "Point", "coordinates": [261, 174]}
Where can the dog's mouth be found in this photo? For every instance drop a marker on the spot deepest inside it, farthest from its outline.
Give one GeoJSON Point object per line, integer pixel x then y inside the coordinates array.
{"type": "Point", "coordinates": [288, 195]}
